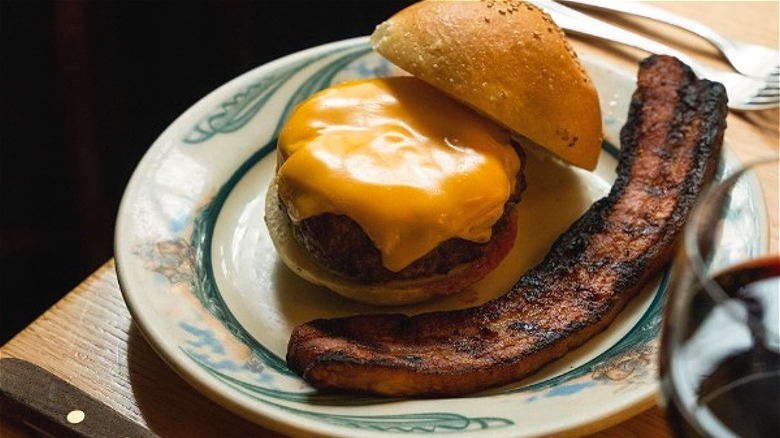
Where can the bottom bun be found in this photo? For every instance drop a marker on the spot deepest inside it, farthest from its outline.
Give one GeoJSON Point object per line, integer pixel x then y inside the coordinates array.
{"type": "Point", "coordinates": [387, 293]}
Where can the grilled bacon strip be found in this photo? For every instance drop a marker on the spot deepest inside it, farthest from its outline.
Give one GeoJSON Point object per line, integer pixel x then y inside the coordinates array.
{"type": "Point", "coordinates": [670, 148]}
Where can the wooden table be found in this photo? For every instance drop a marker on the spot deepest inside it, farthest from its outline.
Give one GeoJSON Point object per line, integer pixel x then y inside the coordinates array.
{"type": "Point", "coordinates": [90, 340]}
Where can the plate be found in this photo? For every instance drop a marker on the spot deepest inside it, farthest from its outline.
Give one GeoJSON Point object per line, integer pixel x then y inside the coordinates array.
{"type": "Point", "coordinates": [203, 283]}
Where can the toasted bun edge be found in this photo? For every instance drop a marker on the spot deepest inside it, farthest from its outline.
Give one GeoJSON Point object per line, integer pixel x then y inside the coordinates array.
{"type": "Point", "coordinates": [507, 60]}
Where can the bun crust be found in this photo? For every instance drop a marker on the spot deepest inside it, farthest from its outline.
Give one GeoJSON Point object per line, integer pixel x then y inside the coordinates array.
{"type": "Point", "coordinates": [506, 59]}
{"type": "Point", "coordinates": [389, 293]}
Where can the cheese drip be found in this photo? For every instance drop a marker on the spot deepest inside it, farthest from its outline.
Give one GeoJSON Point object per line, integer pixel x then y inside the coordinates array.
{"type": "Point", "coordinates": [412, 166]}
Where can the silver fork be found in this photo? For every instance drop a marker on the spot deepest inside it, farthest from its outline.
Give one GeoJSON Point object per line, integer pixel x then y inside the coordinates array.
{"type": "Point", "coordinates": [744, 92]}
{"type": "Point", "coordinates": [749, 59]}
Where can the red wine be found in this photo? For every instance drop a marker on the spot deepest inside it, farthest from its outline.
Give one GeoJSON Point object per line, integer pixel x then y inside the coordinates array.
{"type": "Point", "coordinates": [724, 378]}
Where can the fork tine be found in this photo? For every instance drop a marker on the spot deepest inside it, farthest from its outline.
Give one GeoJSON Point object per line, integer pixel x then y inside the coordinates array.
{"type": "Point", "coordinates": [764, 99]}
{"type": "Point", "coordinates": [770, 90]}
{"type": "Point", "coordinates": [772, 82]}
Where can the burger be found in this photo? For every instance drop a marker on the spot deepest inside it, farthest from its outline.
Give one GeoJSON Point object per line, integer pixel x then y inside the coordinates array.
{"type": "Point", "coordinates": [397, 190]}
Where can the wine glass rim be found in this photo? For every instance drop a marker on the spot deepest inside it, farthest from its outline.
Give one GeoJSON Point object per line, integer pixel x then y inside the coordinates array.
{"type": "Point", "coordinates": [691, 241]}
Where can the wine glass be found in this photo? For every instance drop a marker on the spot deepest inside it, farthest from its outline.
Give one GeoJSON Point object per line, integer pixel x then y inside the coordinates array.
{"type": "Point", "coordinates": [720, 348]}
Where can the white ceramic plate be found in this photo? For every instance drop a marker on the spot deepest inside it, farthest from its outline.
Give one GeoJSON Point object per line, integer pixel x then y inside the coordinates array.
{"type": "Point", "coordinates": [202, 281]}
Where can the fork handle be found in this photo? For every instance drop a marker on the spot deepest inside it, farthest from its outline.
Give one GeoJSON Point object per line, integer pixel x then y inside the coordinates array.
{"type": "Point", "coordinates": [642, 9]}
{"type": "Point", "coordinates": [571, 20]}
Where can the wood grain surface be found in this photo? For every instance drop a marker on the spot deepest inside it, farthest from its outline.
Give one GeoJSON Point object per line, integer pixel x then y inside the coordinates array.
{"type": "Point", "coordinates": [90, 340]}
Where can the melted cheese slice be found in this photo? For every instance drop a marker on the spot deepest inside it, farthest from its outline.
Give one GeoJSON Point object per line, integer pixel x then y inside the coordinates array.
{"type": "Point", "coordinates": [410, 165]}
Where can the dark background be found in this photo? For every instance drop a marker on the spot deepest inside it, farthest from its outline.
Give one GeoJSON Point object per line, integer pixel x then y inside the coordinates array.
{"type": "Point", "coordinates": [86, 88]}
